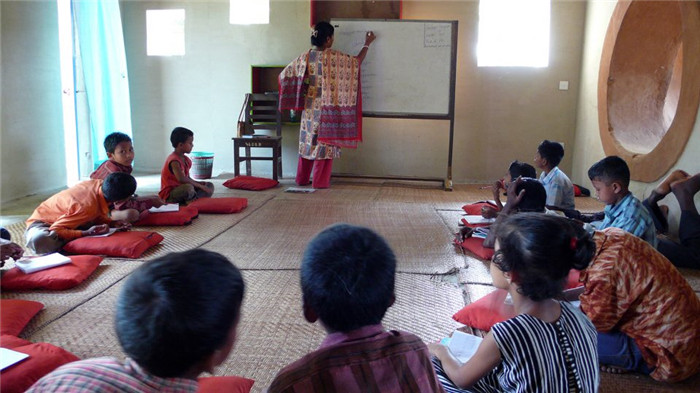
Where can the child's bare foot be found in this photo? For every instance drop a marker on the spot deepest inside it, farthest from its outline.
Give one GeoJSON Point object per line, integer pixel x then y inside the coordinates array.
{"type": "Point", "coordinates": [665, 186]}
{"type": "Point", "coordinates": [612, 369]}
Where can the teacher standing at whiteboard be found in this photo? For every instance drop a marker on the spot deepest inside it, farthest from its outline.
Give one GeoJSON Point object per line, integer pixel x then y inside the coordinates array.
{"type": "Point", "coordinates": [325, 85]}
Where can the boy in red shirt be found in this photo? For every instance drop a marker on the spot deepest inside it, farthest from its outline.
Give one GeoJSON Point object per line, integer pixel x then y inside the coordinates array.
{"type": "Point", "coordinates": [120, 152]}
{"type": "Point", "coordinates": [176, 185]}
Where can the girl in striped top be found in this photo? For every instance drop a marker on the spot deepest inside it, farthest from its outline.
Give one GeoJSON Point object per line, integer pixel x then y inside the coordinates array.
{"type": "Point", "coordinates": [550, 346]}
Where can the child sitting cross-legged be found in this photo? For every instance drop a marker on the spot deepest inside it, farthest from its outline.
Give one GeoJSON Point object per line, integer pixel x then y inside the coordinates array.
{"type": "Point", "coordinates": [120, 154]}
{"type": "Point", "coordinates": [176, 185]}
{"type": "Point", "coordinates": [549, 346]}
{"type": "Point", "coordinates": [176, 318]}
{"type": "Point", "coordinates": [347, 282]}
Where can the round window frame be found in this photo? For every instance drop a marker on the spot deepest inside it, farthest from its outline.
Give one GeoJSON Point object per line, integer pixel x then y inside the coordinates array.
{"type": "Point", "coordinates": [649, 167]}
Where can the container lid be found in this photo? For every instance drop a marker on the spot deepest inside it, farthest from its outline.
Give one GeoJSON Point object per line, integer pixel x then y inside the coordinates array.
{"type": "Point", "coordinates": [201, 154]}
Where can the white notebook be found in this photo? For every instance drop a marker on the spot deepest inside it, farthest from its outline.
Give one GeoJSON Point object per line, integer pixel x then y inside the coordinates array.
{"type": "Point", "coordinates": [462, 345]}
{"type": "Point", "coordinates": [475, 219]}
{"type": "Point", "coordinates": [9, 357]}
{"type": "Point", "coordinates": [169, 207]}
{"type": "Point", "coordinates": [35, 264]}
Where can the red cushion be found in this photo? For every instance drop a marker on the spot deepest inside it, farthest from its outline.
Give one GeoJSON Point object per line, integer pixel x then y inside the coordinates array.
{"type": "Point", "coordinates": [487, 311]}
{"type": "Point", "coordinates": [43, 358]}
{"type": "Point", "coordinates": [474, 209]}
{"type": "Point", "coordinates": [475, 245]}
{"type": "Point", "coordinates": [59, 277]}
{"type": "Point", "coordinates": [15, 314]}
{"type": "Point", "coordinates": [220, 205]}
{"type": "Point", "coordinates": [10, 341]}
{"type": "Point", "coordinates": [251, 183]}
{"type": "Point", "coordinates": [184, 216]}
{"type": "Point", "coordinates": [129, 244]}
{"type": "Point", "coordinates": [224, 384]}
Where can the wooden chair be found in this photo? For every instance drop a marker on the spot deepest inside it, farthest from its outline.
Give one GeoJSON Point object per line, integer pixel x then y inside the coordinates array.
{"type": "Point", "coordinates": [263, 129]}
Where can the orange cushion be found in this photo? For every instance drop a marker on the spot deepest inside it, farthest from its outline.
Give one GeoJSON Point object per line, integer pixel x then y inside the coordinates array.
{"type": "Point", "coordinates": [475, 245]}
{"type": "Point", "coordinates": [59, 277]}
{"type": "Point", "coordinates": [251, 183]}
{"type": "Point", "coordinates": [474, 209]}
{"type": "Point", "coordinates": [230, 384]}
{"type": "Point", "coordinates": [220, 205]}
{"type": "Point", "coordinates": [129, 244]}
{"type": "Point", "coordinates": [184, 216]}
{"type": "Point", "coordinates": [15, 314]}
{"type": "Point", "coordinates": [487, 311]}
{"type": "Point", "coordinates": [43, 358]}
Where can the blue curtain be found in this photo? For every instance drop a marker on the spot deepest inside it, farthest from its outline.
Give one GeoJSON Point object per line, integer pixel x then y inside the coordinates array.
{"type": "Point", "coordinates": [98, 26]}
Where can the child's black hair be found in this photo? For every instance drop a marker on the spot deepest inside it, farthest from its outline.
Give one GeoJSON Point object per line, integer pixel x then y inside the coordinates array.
{"type": "Point", "coordinates": [553, 152]}
{"type": "Point", "coordinates": [321, 32]}
{"type": "Point", "coordinates": [535, 198]}
{"type": "Point", "coordinates": [610, 169]}
{"type": "Point", "coordinates": [519, 168]}
{"type": "Point", "coordinates": [347, 277]}
{"type": "Point", "coordinates": [539, 250]}
{"type": "Point", "coordinates": [117, 186]}
{"type": "Point", "coordinates": [176, 310]}
{"type": "Point", "coordinates": [113, 139]}
{"type": "Point", "coordinates": [180, 135]}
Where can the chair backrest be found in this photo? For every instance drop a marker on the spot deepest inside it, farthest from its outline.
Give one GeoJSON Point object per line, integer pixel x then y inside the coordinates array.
{"type": "Point", "coordinates": [262, 113]}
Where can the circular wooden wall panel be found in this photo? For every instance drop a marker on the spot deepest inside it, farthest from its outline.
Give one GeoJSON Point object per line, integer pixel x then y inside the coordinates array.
{"type": "Point", "coordinates": [649, 84]}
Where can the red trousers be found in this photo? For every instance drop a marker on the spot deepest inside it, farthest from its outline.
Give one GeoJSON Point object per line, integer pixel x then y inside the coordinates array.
{"type": "Point", "coordinates": [321, 172]}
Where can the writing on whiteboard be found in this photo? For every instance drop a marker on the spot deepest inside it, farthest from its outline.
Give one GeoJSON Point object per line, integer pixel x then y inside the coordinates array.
{"type": "Point", "coordinates": [436, 35]}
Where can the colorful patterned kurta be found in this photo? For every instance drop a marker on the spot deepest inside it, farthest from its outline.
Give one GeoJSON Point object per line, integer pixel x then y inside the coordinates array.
{"type": "Point", "coordinates": [328, 84]}
{"type": "Point", "coordinates": [630, 287]}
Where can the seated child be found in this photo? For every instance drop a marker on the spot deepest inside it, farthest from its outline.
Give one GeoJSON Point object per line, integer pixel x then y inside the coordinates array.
{"type": "Point", "coordinates": [120, 154]}
{"type": "Point", "coordinates": [515, 170]}
{"type": "Point", "coordinates": [82, 210]}
{"type": "Point", "coordinates": [549, 343]}
{"type": "Point", "coordinates": [684, 187]}
{"type": "Point", "coordinates": [560, 190]}
{"type": "Point", "coordinates": [611, 178]}
{"type": "Point", "coordinates": [176, 185]}
{"type": "Point", "coordinates": [646, 313]}
{"type": "Point", "coordinates": [524, 195]}
{"type": "Point", "coordinates": [169, 339]}
{"type": "Point", "coordinates": [347, 282]}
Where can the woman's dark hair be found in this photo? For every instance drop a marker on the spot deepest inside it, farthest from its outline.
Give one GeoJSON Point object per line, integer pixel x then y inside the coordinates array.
{"type": "Point", "coordinates": [176, 310]}
{"type": "Point", "coordinates": [321, 32]}
{"type": "Point", "coordinates": [539, 250]}
{"type": "Point", "coordinates": [117, 186]}
{"type": "Point", "coordinates": [347, 277]}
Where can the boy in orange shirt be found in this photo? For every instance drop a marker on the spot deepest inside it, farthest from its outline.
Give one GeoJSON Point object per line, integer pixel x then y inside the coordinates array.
{"type": "Point", "coordinates": [176, 185]}
{"type": "Point", "coordinates": [120, 152]}
{"type": "Point", "coordinates": [82, 210]}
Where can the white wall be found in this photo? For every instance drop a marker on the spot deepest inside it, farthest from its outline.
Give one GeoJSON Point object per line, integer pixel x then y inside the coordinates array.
{"type": "Point", "coordinates": [31, 130]}
{"type": "Point", "coordinates": [501, 113]}
{"type": "Point", "coordinates": [589, 148]}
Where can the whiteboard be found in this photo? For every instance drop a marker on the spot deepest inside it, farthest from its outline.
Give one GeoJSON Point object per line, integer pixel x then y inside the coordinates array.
{"type": "Point", "coordinates": [409, 70]}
